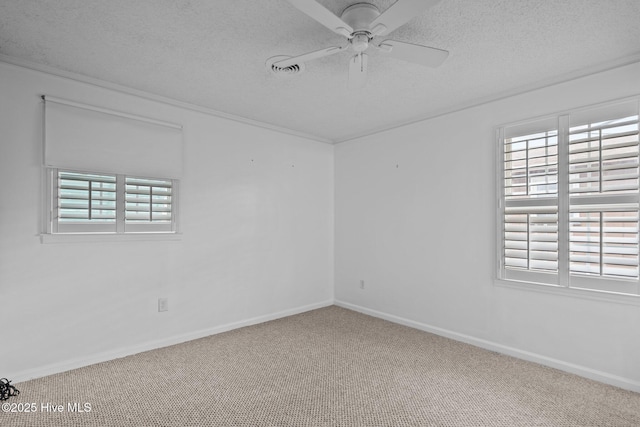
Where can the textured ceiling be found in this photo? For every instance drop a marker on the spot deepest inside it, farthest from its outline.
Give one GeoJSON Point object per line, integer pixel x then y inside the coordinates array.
{"type": "Point", "coordinates": [212, 54]}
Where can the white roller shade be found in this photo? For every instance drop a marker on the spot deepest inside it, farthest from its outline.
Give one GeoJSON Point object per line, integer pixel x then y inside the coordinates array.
{"type": "Point", "coordinates": [83, 137]}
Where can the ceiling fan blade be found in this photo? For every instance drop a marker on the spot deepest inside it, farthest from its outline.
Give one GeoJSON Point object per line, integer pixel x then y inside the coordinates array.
{"type": "Point", "coordinates": [399, 14]}
{"type": "Point", "coordinates": [423, 55]}
{"type": "Point", "coordinates": [358, 70]}
{"type": "Point", "coordinates": [309, 56]}
{"type": "Point", "coordinates": [318, 12]}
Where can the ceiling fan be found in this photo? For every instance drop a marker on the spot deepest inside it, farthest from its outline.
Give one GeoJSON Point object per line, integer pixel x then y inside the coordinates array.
{"type": "Point", "coordinates": [362, 24]}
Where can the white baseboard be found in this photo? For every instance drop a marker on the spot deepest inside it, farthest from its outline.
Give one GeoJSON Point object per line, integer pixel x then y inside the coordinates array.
{"type": "Point", "coordinates": [604, 377]}
{"type": "Point", "coordinates": [593, 374]}
{"type": "Point", "coordinates": [68, 365]}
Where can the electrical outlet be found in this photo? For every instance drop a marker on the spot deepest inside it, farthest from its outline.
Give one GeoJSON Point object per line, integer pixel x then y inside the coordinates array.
{"type": "Point", "coordinates": [361, 284]}
{"type": "Point", "coordinates": [163, 304]}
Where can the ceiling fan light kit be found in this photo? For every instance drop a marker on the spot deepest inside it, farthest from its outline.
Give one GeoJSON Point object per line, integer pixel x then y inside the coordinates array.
{"type": "Point", "coordinates": [361, 24]}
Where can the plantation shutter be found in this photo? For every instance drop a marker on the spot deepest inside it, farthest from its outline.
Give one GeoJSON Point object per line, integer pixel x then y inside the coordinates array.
{"type": "Point", "coordinates": [148, 203]}
{"type": "Point", "coordinates": [86, 202]}
{"type": "Point", "coordinates": [530, 214]}
{"type": "Point", "coordinates": [603, 190]}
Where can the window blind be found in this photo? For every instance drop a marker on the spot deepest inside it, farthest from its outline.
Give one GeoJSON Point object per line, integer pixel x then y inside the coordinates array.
{"type": "Point", "coordinates": [83, 137]}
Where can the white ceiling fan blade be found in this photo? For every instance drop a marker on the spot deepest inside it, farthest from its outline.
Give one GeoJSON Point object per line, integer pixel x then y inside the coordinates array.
{"type": "Point", "coordinates": [318, 12]}
{"type": "Point", "coordinates": [418, 54]}
{"type": "Point", "coordinates": [309, 56]}
{"type": "Point", "coordinates": [358, 70]}
{"type": "Point", "coordinates": [399, 14]}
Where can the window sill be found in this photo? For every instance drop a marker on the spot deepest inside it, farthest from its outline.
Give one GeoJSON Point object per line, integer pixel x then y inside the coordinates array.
{"type": "Point", "coordinates": [108, 237]}
{"type": "Point", "coordinates": [590, 294]}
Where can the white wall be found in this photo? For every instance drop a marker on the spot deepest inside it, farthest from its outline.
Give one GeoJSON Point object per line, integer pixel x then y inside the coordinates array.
{"type": "Point", "coordinates": [414, 211]}
{"type": "Point", "coordinates": [415, 219]}
{"type": "Point", "coordinates": [256, 212]}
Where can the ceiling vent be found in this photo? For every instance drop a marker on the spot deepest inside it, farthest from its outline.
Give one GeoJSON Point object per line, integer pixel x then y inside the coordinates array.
{"type": "Point", "coordinates": [291, 70]}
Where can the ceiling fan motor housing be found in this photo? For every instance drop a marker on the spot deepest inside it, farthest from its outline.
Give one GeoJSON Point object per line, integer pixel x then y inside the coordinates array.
{"type": "Point", "coordinates": [359, 16]}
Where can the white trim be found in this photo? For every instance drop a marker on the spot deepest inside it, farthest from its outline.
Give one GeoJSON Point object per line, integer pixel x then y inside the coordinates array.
{"type": "Point", "coordinates": [563, 200]}
{"type": "Point", "coordinates": [572, 368]}
{"type": "Point", "coordinates": [568, 112]}
{"type": "Point", "coordinates": [68, 365]}
{"type": "Point", "coordinates": [585, 293]}
{"type": "Point", "coordinates": [108, 237]}
{"type": "Point", "coordinates": [499, 176]}
{"type": "Point", "coordinates": [17, 62]}
{"type": "Point", "coordinates": [584, 72]}
{"type": "Point", "coordinates": [542, 84]}
{"type": "Point", "coordinates": [583, 371]}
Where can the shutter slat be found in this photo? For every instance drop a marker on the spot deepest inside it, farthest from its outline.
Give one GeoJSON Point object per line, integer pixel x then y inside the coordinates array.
{"type": "Point", "coordinates": [597, 138]}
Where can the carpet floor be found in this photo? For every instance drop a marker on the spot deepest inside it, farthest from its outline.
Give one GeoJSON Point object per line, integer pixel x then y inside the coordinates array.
{"type": "Point", "coordinates": [326, 367]}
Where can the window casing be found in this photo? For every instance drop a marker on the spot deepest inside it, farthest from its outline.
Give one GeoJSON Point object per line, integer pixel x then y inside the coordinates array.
{"type": "Point", "coordinates": [91, 203]}
{"type": "Point", "coordinates": [569, 198]}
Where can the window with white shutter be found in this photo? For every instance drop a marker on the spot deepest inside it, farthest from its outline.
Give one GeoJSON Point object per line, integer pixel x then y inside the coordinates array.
{"type": "Point", "coordinates": [569, 200]}
{"type": "Point", "coordinates": [86, 203]}
{"type": "Point", "coordinates": [530, 201]}
{"type": "Point", "coordinates": [108, 172]}
{"type": "Point", "coordinates": [148, 204]}
{"type": "Point", "coordinates": [603, 194]}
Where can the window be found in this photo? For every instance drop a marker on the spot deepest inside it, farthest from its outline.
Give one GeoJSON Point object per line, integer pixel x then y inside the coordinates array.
{"type": "Point", "coordinates": [108, 172]}
{"type": "Point", "coordinates": [106, 203]}
{"type": "Point", "coordinates": [148, 204]}
{"type": "Point", "coordinates": [531, 198]}
{"type": "Point", "coordinates": [85, 202]}
{"type": "Point", "coordinates": [569, 200]}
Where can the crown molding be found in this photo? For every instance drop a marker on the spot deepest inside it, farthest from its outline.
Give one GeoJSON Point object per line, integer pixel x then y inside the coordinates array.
{"type": "Point", "coordinates": [540, 84]}
{"type": "Point", "coordinates": [19, 62]}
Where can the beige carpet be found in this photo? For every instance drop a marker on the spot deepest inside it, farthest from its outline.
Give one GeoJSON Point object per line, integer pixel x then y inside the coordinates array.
{"type": "Point", "coordinates": [327, 367]}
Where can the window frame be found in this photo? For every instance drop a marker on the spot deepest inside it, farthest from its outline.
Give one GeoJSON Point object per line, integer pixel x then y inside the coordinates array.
{"type": "Point", "coordinates": [55, 231]}
{"type": "Point", "coordinates": [562, 281]}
